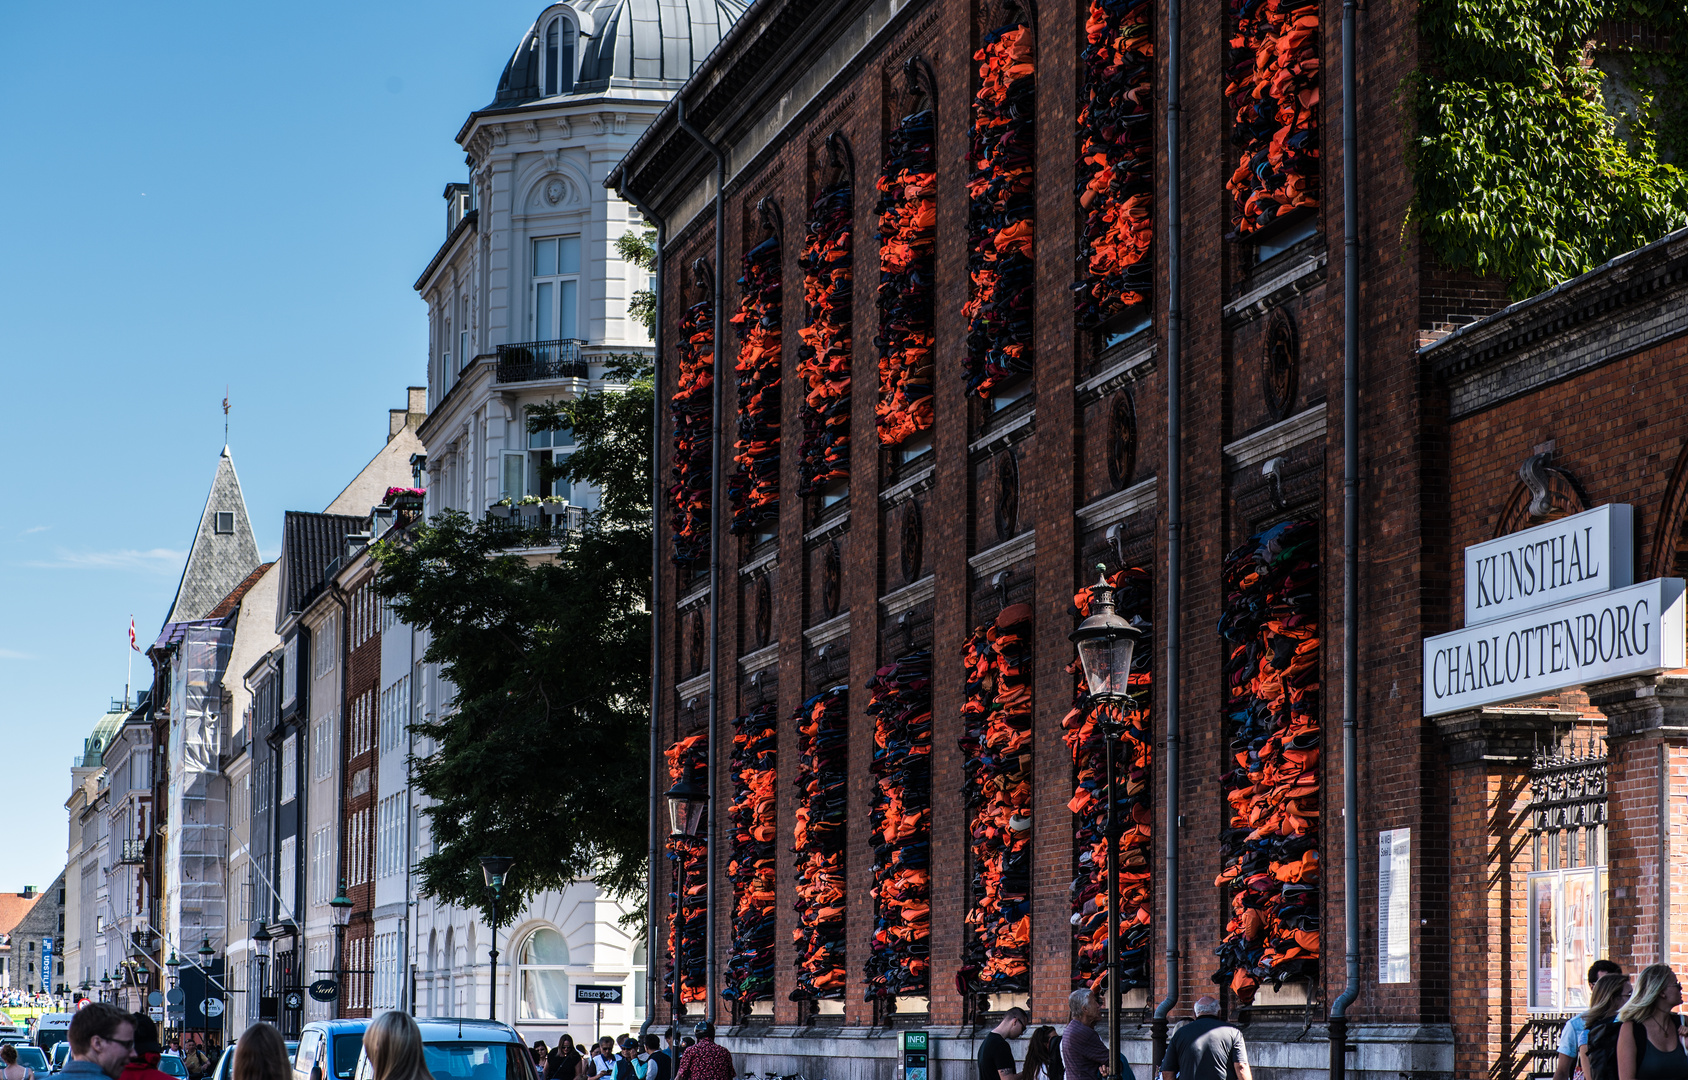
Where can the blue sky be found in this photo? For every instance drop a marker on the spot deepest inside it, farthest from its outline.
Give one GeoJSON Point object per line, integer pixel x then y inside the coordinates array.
{"type": "Point", "coordinates": [201, 195]}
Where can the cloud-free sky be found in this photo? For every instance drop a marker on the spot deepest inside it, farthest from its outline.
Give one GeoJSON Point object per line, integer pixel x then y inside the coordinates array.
{"type": "Point", "coordinates": [198, 195]}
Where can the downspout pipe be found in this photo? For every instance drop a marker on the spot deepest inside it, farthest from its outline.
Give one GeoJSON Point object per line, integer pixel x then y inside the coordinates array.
{"type": "Point", "coordinates": [1174, 516]}
{"type": "Point", "coordinates": [1350, 554]}
{"type": "Point", "coordinates": [715, 501]}
{"type": "Point", "coordinates": [656, 809]}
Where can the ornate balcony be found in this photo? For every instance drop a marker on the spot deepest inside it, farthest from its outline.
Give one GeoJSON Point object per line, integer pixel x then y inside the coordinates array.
{"type": "Point", "coordinates": [132, 852]}
{"type": "Point", "coordinates": [533, 361]}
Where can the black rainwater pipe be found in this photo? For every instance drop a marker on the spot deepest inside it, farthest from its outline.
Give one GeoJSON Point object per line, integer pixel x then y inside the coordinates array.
{"type": "Point", "coordinates": [1350, 554]}
{"type": "Point", "coordinates": [656, 810]}
{"type": "Point", "coordinates": [1174, 522]}
{"type": "Point", "coordinates": [715, 500]}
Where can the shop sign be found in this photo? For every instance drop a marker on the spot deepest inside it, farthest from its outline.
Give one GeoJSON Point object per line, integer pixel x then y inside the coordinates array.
{"type": "Point", "coordinates": [1587, 553]}
{"type": "Point", "coordinates": [1632, 631]}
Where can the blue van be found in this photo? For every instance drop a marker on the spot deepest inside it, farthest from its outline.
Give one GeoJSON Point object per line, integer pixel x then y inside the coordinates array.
{"type": "Point", "coordinates": [328, 1050]}
{"type": "Point", "coordinates": [464, 1049]}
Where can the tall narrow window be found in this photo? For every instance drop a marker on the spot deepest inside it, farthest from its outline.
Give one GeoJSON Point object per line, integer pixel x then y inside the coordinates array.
{"type": "Point", "coordinates": [556, 288]}
{"type": "Point", "coordinates": [544, 982]}
{"type": "Point", "coordinates": [559, 57]}
{"type": "Point", "coordinates": [549, 448]}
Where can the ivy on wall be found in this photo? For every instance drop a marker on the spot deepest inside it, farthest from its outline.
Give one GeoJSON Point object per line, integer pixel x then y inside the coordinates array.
{"type": "Point", "coordinates": [1526, 167]}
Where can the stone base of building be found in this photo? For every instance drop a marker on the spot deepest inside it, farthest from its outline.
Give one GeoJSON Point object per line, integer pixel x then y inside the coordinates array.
{"type": "Point", "coordinates": [1277, 1050]}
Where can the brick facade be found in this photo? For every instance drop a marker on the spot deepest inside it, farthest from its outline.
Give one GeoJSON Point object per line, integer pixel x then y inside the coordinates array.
{"type": "Point", "coordinates": [1017, 504]}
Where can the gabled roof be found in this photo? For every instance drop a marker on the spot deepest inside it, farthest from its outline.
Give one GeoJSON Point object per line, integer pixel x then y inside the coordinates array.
{"type": "Point", "coordinates": [218, 561]}
{"type": "Point", "coordinates": [227, 604]}
{"type": "Point", "coordinates": [13, 908]}
{"type": "Point", "coordinates": [309, 543]}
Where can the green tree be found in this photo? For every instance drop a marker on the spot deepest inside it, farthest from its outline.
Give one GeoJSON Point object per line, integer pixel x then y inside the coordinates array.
{"type": "Point", "coordinates": [639, 248]}
{"type": "Point", "coordinates": [543, 754]}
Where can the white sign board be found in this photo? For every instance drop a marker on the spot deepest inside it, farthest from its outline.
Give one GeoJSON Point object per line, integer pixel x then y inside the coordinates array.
{"type": "Point", "coordinates": [1394, 905]}
{"type": "Point", "coordinates": [1633, 631]}
{"type": "Point", "coordinates": [1587, 553]}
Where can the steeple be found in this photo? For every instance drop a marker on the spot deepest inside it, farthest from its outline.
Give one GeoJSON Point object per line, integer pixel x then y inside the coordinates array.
{"type": "Point", "coordinates": [224, 549]}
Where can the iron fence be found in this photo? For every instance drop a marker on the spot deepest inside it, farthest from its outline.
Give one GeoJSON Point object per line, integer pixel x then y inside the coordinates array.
{"type": "Point", "coordinates": [529, 361]}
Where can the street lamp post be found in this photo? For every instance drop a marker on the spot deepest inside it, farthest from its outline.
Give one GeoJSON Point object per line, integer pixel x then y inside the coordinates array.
{"type": "Point", "coordinates": [175, 966]}
{"type": "Point", "coordinates": [686, 806]}
{"type": "Point", "coordinates": [263, 942]}
{"type": "Point", "coordinates": [494, 868]}
{"type": "Point", "coordinates": [341, 908]}
{"type": "Point", "coordinates": [1105, 645]}
{"type": "Point", "coordinates": [205, 952]}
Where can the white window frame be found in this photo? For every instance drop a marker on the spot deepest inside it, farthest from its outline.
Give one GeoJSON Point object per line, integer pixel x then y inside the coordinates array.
{"type": "Point", "coordinates": [567, 60]}
{"type": "Point", "coordinates": [512, 464]}
{"type": "Point", "coordinates": [287, 875]}
{"type": "Point", "coordinates": [289, 768]}
{"type": "Point", "coordinates": [556, 280]}
{"type": "Point", "coordinates": [523, 967]}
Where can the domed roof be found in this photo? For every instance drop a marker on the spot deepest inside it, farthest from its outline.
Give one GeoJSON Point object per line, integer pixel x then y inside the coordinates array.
{"type": "Point", "coordinates": [654, 43]}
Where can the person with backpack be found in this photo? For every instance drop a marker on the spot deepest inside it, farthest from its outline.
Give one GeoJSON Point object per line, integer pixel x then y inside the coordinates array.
{"type": "Point", "coordinates": [1597, 1058]}
{"type": "Point", "coordinates": [1649, 1019]}
{"type": "Point", "coordinates": [1575, 1034]}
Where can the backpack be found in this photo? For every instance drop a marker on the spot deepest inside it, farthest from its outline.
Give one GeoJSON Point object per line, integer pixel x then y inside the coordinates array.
{"type": "Point", "coordinates": [1603, 1050]}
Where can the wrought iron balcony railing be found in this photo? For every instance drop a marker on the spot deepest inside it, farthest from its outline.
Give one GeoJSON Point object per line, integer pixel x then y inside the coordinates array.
{"type": "Point", "coordinates": [529, 361]}
{"type": "Point", "coordinates": [529, 526]}
{"type": "Point", "coordinates": [133, 852]}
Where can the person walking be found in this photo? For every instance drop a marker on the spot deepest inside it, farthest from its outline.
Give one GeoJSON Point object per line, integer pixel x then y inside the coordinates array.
{"type": "Point", "coordinates": [12, 1070]}
{"type": "Point", "coordinates": [1206, 1048]}
{"type": "Point", "coordinates": [197, 1062]}
{"type": "Point", "coordinates": [1043, 1055]}
{"type": "Point", "coordinates": [144, 1065]}
{"type": "Point", "coordinates": [705, 1059]}
{"type": "Point", "coordinates": [996, 1057]}
{"type": "Point", "coordinates": [102, 1040]}
{"type": "Point", "coordinates": [1650, 1041]}
{"type": "Point", "coordinates": [601, 1066]}
{"type": "Point", "coordinates": [393, 1044]}
{"type": "Point", "coordinates": [1083, 1056]}
{"type": "Point", "coordinates": [261, 1054]}
{"type": "Point", "coordinates": [662, 1066]}
{"type": "Point", "coordinates": [1574, 1035]}
{"type": "Point", "coordinates": [565, 1061]}
{"type": "Point", "coordinates": [1597, 1058]}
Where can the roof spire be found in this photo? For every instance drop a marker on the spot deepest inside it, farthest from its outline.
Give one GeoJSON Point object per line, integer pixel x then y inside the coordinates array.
{"type": "Point", "coordinates": [224, 548]}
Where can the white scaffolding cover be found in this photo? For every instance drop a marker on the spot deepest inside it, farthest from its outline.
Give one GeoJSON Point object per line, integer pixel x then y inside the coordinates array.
{"type": "Point", "coordinates": [195, 894]}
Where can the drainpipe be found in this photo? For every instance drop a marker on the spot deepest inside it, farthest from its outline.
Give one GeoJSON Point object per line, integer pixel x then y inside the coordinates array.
{"type": "Point", "coordinates": [1350, 554]}
{"type": "Point", "coordinates": [1174, 520]}
{"type": "Point", "coordinates": [715, 501]}
{"type": "Point", "coordinates": [656, 809]}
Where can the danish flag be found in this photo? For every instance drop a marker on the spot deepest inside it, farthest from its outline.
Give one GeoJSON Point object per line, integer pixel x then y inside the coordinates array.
{"type": "Point", "coordinates": [132, 643]}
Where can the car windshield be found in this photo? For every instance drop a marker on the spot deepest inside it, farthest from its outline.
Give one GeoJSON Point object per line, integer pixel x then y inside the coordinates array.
{"type": "Point", "coordinates": [478, 1061]}
{"type": "Point", "coordinates": [31, 1057]}
{"type": "Point", "coordinates": [172, 1065]}
{"type": "Point", "coordinates": [346, 1049]}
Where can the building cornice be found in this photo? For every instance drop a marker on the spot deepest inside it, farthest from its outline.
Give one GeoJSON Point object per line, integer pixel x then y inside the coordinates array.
{"type": "Point", "coordinates": [447, 249]}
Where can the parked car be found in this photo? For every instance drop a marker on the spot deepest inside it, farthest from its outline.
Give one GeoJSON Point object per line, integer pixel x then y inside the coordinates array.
{"type": "Point", "coordinates": [31, 1058]}
{"type": "Point", "coordinates": [173, 1065]}
{"type": "Point", "coordinates": [463, 1049]}
{"type": "Point", "coordinates": [332, 1045]}
{"type": "Point", "coordinates": [225, 1063]}
{"type": "Point", "coordinates": [61, 1054]}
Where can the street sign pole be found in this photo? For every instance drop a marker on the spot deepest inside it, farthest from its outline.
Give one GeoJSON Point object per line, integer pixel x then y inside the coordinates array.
{"type": "Point", "coordinates": [598, 1025]}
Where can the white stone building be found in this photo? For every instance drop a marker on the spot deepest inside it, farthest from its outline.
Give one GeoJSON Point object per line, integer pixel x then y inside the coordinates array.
{"type": "Point", "coordinates": [527, 299]}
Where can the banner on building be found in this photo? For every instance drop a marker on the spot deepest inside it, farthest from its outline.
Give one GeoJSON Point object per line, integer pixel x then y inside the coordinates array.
{"type": "Point", "coordinates": [1631, 631]}
{"type": "Point", "coordinates": [47, 964]}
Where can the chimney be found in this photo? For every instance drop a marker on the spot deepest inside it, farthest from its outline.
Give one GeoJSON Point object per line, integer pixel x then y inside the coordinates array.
{"type": "Point", "coordinates": [28, 891]}
{"type": "Point", "coordinates": [418, 397]}
{"type": "Point", "coordinates": [395, 422]}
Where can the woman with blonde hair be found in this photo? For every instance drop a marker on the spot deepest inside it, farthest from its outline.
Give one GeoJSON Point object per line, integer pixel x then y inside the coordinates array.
{"type": "Point", "coordinates": [261, 1054]}
{"type": "Point", "coordinates": [1650, 1043]}
{"type": "Point", "coordinates": [394, 1045]}
{"type": "Point", "coordinates": [1610, 993]}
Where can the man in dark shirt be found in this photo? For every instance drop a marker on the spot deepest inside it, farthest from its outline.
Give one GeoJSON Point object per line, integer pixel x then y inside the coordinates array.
{"type": "Point", "coordinates": [1206, 1048]}
{"type": "Point", "coordinates": [996, 1057]}
{"type": "Point", "coordinates": [661, 1065]}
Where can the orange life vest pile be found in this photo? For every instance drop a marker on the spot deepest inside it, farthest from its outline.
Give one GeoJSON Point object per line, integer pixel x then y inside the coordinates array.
{"type": "Point", "coordinates": [1134, 602]}
{"type": "Point", "coordinates": [823, 747]}
{"type": "Point", "coordinates": [999, 255]}
{"type": "Point", "coordinates": [901, 822]}
{"type": "Point", "coordinates": [1270, 849]}
{"type": "Point", "coordinates": [750, 870]}
{"type": "Point", "coordinates": [686, 938]}
{"type": "Point", "coordinates": [996, 739]}
{"type": "Point", "coordinates": [1116, 160]}
{"type": "Point", "coordinates": [753, 490]}
{"type": "Point", "coordinates": [908, 217]}
{"type": "Point", "coordinates": [691, 408]}
{"type": "Point", "coordinates": [1274, 98]}
{"type": "Point", "coordinates": [823, 361]}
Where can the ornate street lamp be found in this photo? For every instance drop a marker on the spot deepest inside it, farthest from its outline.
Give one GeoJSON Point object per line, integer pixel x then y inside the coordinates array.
{"type": "Point", "coordinates": [262, 942]}
{"type": "Point", "coordinates": [493, 869]}
{"type": "Point", "coordinates": [205, 952]}
{"type": "Point", "coordinates": [1105, 645]}
{"type": "Point", "coordinates": [687, 805]}
{"type": "Point", "coordinates": [341, 909]}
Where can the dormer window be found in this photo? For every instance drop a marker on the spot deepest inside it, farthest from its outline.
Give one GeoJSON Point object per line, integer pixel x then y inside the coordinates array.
{"type": "Point", "coordinates": [559, 56]}
{"type": "Point", "coordinates": [224, 523]}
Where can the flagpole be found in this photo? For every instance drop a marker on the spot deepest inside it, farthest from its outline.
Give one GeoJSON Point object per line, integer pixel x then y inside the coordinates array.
{"type": "Point", "coordinates": [129, 673]}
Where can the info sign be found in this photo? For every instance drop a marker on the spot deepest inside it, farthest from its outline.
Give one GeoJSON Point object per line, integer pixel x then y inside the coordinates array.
{"type": "Point", "coordinates": [1587, 553]}
{"type": "Point", "coordinates": [1632, 631]}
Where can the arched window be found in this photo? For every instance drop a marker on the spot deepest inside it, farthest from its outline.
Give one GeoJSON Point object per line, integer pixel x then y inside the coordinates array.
{"type": "Point", "coordinates": [559, 56]}
{"type": "Point", "coordinates": [639, 977]}
{"type": "Point", "coordinates": [545, 984]}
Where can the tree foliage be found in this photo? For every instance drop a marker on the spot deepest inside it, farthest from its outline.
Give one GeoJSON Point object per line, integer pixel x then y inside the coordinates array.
{"type": "Point", "coordinates": [639, 248]}
{"type": "Point", "coordinates": [543, 755]}
{"type": "Point", "coordinates": [1527, 167]}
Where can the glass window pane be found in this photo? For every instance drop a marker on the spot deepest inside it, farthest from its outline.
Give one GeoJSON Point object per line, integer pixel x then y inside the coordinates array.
{"type": "Point", "coordinates": [568, 255]}
{"type": "Point", "coordinates": [537, 439]}
{"type": "Point", "coordinates": [514, 466]}
{"type": "Point", "coordinates": [544, 994]}
{"type": "Point", "coordinates": [544, 258]}
{"type": "Point", "coordinates": [566, 293]}
{"type": "Point", "coordinates": [545, 947]}
{"type": "Point", "coordinates": [544, 311]}
{"type": "Point", "coordinates": [551, 57]}
{"type": "Point", "coordinates": [562, 437]}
